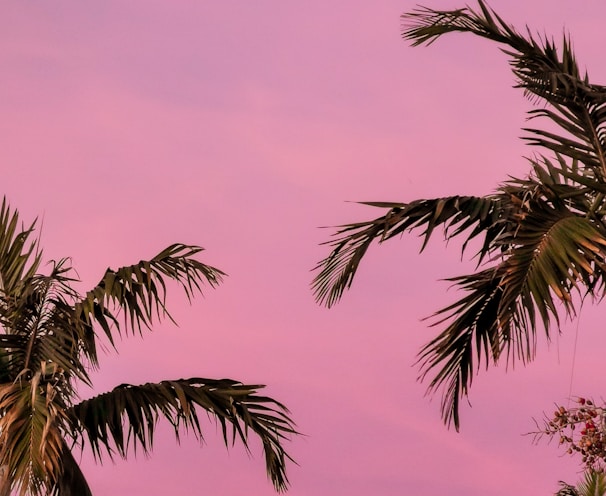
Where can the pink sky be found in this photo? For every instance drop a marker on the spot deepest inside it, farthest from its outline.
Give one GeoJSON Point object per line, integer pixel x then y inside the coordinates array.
{"type": "Point", "coordinates": [242, 127]}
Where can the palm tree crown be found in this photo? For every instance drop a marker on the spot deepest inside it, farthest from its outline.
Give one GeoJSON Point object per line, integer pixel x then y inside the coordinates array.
{"type": "Point", "coordinates": [48, 343]}
{"type": "Point", "coordinates": [541, 237]}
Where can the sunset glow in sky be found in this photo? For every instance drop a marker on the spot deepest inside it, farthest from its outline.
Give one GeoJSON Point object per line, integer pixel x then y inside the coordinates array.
{"type": "Point", "coordinates": [244, 127]}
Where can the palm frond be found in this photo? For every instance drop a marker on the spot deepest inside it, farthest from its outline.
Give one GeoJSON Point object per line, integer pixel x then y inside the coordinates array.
{"type": "Point", "coordinates": [576, 106]}
{"type": "Point", "coordinates": [456, 215]}
{"type": "Point", "coordinates": [140, 290]}
{"type": "Point", "coordinates": [30, 440]}
{"type": "Point", "coordinates": [594, 484]}
{"type": "Point", "coordinates": [38, 324]}
{"type": "Point", "coordinates": [19, 257]}
{"type": "Point", "coordinates": [126, 417]}
{"type": "Point", "coordinates": [473, 332]}
{"type": "Point", "coordinates": [566, 490]}
{"type": "Point", "coordinates": [554, 252]}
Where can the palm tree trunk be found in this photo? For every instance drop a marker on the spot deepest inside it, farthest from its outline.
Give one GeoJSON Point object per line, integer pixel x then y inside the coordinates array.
{"type": "Point", "coordinates": [5, 486]}
{"type": "Point", "coordinates": [72, 482]}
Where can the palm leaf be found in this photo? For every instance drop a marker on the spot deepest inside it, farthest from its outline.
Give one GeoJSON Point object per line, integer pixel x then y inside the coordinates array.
{"type": "Point", "coordinates": [39, 327]}
{"type": "Point", "coordinates": [126, 417]}
{"type": "Point", "coordinates": [19, 257]}
{"type": "Point", "coordinates": [556, 251]}
{"type": "Point", "coordinates": [594, 484]}
{"type": "Point", "coordinates": [473, 331]}
{"type": "Point", "coordinates": [456, 215]}
{"type": "Point", "coordinates": [140, 290]}
{"type": "Point", "coordinates": [576, 106]}
{"type": "Point", "coordinates": [498, 312]}
{"type": "Point", "coordinates": [30, 440]}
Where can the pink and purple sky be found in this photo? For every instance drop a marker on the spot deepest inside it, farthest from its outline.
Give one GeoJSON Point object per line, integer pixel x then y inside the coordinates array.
{"type": "Point", "coordinates": [242, 127]}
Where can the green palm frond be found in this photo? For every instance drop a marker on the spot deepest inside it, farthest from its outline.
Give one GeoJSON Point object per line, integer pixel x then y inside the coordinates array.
{"type": "Point", "coordinates": [19, 257]}
{"type": "Point", "coordinates": [38, 324]}
{"type": "Point", "coordinates": [127, 416]}
{"type": "Point", "coordinates": [545, 72]}
{"type": "Point", "coordinates": [473, 332]}
{"type": "Point", "coordinates": [456, 215]}
{"type": "Point", "coordinates": [140, 290]}
{"type": "Point", "coordinates": [30, 440]}
{"type": "Point", "coordinates": [594, 484]}
{"type": "Point", "coordinates": [555, 252]}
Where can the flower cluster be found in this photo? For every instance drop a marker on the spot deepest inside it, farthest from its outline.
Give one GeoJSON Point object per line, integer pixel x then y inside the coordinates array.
{"type": "Point", "coordinates": [582, 429]}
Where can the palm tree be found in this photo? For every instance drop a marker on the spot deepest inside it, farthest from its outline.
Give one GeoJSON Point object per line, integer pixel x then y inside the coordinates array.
{"type": "Point", "coordinates": [542, 238]}
{"type": "Point", "coordinates": [48, 345]}
{"type": "Point", "coordinates": [594, 484]}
